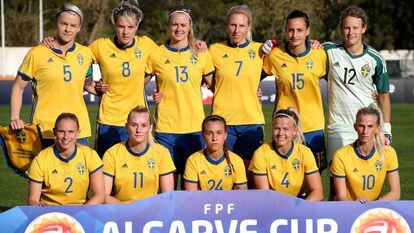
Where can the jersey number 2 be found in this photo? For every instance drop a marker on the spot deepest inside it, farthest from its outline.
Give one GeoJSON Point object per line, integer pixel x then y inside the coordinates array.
{"type": "Point", "coordinates": [70, 181]}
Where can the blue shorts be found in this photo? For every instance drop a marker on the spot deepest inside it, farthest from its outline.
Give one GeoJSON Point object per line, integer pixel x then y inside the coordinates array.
{"type": "Point", "coordinates": [109, 135]}
{"type": "Point", "coordinates": [244, 139]}
{"type": "Point", "coordinates": [315, 140]}
{"type": "Point", "coordinates": [181, 146]}
{"type": "Point", "coordinates": [49, 142]}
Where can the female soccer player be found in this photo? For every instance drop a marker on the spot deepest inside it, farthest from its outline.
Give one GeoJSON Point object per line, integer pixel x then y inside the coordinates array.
{"type": "Point", "coordinates": [360, 168]}
{"type": "Point", "coordinates": [61, 174]}
{"type": "Point", "coordinates": [138, 167]}
{"type": "Point", "coordinates": [179, 68]}
{"type": "Point", "coordinates": [355, 72]}
{"type": "Point", "coordinates": [58, 77]}
{"type": "Point", "coordinates": [284, 164]}
{"type": "Point", "coordinates": [238, 64]}
{"type": "Point", "coordinates": [297, 69]}
{"type": "Point", "coordinates": [214, 168]}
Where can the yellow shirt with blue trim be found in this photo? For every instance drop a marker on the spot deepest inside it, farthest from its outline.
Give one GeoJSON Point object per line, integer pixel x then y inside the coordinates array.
{"type": "Point", "coordinates": [237, 78]}
{"type": "Point", "coordinates": [297, 81]}
{"type": "Point", "coordinates": [364, 175]}
{"type": "Point", "coordinates": [286, 173]}
{"type": "Point", "coordinates": [215, 175]}
{"type": "Point", "coordinates": [123, 69]}
{"type": "Point", "coordinates": [136, 175]}
{"type": "Point", "coordinates": [57, 83]}
{"type": "Point", "coordinates": [179, 75]}
{"type": "Point", "coordinates": [65, 180]}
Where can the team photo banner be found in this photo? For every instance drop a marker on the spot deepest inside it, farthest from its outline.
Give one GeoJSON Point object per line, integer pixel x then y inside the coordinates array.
{"type": "Point", "coordinates": [215, 211]}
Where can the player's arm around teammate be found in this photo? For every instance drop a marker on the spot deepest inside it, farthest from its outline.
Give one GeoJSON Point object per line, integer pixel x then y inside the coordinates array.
{"type": "Point", "coordinates": [360, 168]}
{"type": "Point", "coordinates": [284, 164]}
{"type": "Point", "coordinates": [138, 167]}
{"type": "Point", "coordinates": [215, 167]}
{"type": "Point", "coordinates": [62, 174]}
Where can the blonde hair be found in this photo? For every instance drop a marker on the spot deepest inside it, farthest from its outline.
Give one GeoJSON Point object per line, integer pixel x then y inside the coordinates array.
{"type": "Point", "coordinates": [142, 109]}
{"type": "Point", "coordinates": [191, 38]}
{"type": "Point", "coordinates": [291, 114]}
{"type": "Point", "coordinates": [244, 10]}
{"type": "Point", "coordinates": [127, 8]}
{"type": "Point", "coordinates": [373, 110]}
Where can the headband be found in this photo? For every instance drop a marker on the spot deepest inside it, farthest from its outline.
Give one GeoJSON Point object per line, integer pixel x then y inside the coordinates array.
{"type": "Point", "coordinates": [286, 115]}
{"type": "Point", "coordinates": [182, 12]}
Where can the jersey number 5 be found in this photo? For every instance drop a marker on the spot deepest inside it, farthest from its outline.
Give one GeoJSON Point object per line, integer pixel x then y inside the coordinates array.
{"type": "Point", "coordinates": [67, 75]}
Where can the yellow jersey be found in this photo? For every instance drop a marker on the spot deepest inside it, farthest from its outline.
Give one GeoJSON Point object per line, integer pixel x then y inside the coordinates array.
{"type": "Point", "coordinates": [237, 78]}
{"type": "Point", "coordinates": [57, 83]}
{"type": "Point", "coordinates": [364, 175]}
{"type": "Point", "coordinates": [215, 175]}
{"type": "Point", "coordinates": [136, 175]}
{"type": "Point", "coordinates": [179, 75]}
{"type": "Point", "coordinates": [285, 173]}
{"type": "Point", "coordinates": [123, 69]}
{"type": "Point", "coordinates": [297, 81]}
{"type": "Point", "coordinates": [65, 181]}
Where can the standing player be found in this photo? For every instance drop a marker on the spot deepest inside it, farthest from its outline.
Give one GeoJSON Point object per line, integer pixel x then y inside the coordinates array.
{"type": "Point", "coordinates": [360, 168]}
{"type": "Point", "coordinates": [61, 174]}
{"type": "Point", "coordinates": [297, 69]}
{"type": "Point", "coordinates": [58, 77]}
{"type": "Point", "coordinates": [214, 168]}
{"type": "Point", "coordinates": [179, 68]}
{"type": "Point", "coordinates": [137, 168]}
{"type": "Point", "coordinates": [284, 164]}
{"type": "Point", "coordinates": [122, 60]}
{"type": "Point", "coordinates": [236, 81]}
{"type": "Point", "coordinates": [356, 71]}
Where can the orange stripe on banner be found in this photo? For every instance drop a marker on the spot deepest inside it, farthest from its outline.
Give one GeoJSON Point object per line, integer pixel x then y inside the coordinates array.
{"type": "Point", "coordinates": [7, 78]}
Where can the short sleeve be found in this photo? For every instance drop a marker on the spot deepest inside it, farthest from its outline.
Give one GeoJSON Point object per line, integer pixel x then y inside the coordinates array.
{"type": "Point", "coordinates": [324, 63]}
{"type": "Point", "coordinates": [267, 65]}
{"type": "Point", "coordinates": [208, 64]}
{"type": "Point", "coordinates": [95, 51]}
{"type": "Point", "coordinates": [309, 162]}
{"type": "Point", "coordinates": [166, 165]}
{"type": "Point", "coordinates": [27, 68]}
{"type": "Point", "coordinates": [258, 163]}
{"type": "Point", "coordinates": [109, 163]}
{"type": "Point", "coordinates": [338, 167]}
{"type": "Point", "coordinates": [149, 67]}
{"type": "Point", "coordinates": [381, 78]}
{"type": "Point", "coordinates": [190, 171]}
{"type": "Point", "coordinates": [36, 171]}
{"type": "Point", "coordinates": [94, 163]}
{"type": "Point", "coordinates": [391, 160]}
{"type": "Point", "coordinates": [240, 172]}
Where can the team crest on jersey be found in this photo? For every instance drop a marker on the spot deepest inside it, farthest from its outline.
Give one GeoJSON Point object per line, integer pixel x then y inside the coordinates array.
{"type": "Point", "coordinates": [80, 59]}
{"type": "Point", "coordinates": [296, 164]}
{"type": "Point", "coordinates": [365, 69]}
{"type": "Point", "coordinates": [151, 163]}
{"type": "Point", "coordinates": [21, 136]}
{"type": "Point", "coordinates": [309, 64]}
{"type": "Point", "coordinates": [81, 168]}
{"type": "Point", "coordinates": [193, 60]}
{"type": "Point", "coordinates": [252, 53]}
{"type": "Point", "coordinates": [138, 53]}
{"type": "Point", "coordinates": [378, 165]}
{"type": "Point", "coordinates": [227, 171]}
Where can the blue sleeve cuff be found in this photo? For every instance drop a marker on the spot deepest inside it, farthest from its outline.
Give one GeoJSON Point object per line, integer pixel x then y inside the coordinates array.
{"type": "Point", "coordinates": [90, 173]}
{"type": "Point", "coordinates": [190, 181]}
{"type": "Point", "coordinates": [394, 170]}
{"type": "Point", "coordinates": [164, 174]}
{"type": "Point", "coordinates": [212, 72]}
{"type": "Point", "coordinates": [25, 76]}
{"type": "Point", "coordinates": [35, 181]}
{"type": "Point", "coordinates": [107, 174]}
{"type": "Point", "coordinates": [310, 173]}
{"type": "Point", "coordinates": [259, 174]}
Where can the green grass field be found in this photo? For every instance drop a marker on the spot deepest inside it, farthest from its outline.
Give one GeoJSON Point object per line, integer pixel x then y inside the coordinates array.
{"type": "Point", "coordinates": [14, 189]}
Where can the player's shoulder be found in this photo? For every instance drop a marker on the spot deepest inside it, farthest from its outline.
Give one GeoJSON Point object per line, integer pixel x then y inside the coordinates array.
{"type": "Point", "coordinates": [234, 157]}
{"type": "Point", "coordinates": [389, 151]}
{"type": "Point", "coordinates": [329, 45]}
{"type": "Point", "coordinates": [218, 45]}
{"type": "Point", "coordinates": [45, 153]}
{"type": "Point", "coordinates": [265, 147]}
{"type": "Point", "coordinates": [86, 150]}
{"type": "Point", "coordinates": [145, 40]}
{"type": "Point", "coordinates": [255, 45]}
{"type": "Point", "coordinates": [160, 149]}
{"type": "Point", "coordinates": [82, 49]}
{"type": "Point", "coordinates": [373, 53]}
{"type": "Point", "coordinates": [345, 151]}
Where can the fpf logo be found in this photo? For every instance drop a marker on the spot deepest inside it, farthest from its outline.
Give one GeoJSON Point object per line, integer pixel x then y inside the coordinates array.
{"type": "Point", "coordinates": [380, 220]}
{"type": "Point", "coordinates": [54, 222]}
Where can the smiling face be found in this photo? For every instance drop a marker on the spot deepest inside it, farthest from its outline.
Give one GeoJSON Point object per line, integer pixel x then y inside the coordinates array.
{"type": "Point", "coordinates": [352, 30]}
{"type": "Point", "coordinates": [68, 25]}
{"type": "Point", "coordinates": [179, 27]}
{"type": "Point", "coordinates": [139, 127]}
{"type": "Point", "coordinates": [367, 127]}
{"type": "Point", "coordinates": [125, 28]}
{"type": "Point", "coordinates": [297, 32]}
{"type": "Point", "coordinates": [214, 135]}
{"type": "Point", "coordinates": [238, 28]}
{"type": "Point", "coordinates": [283, 132]}
{"type": "Point", "coordinates": [66, 133]}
